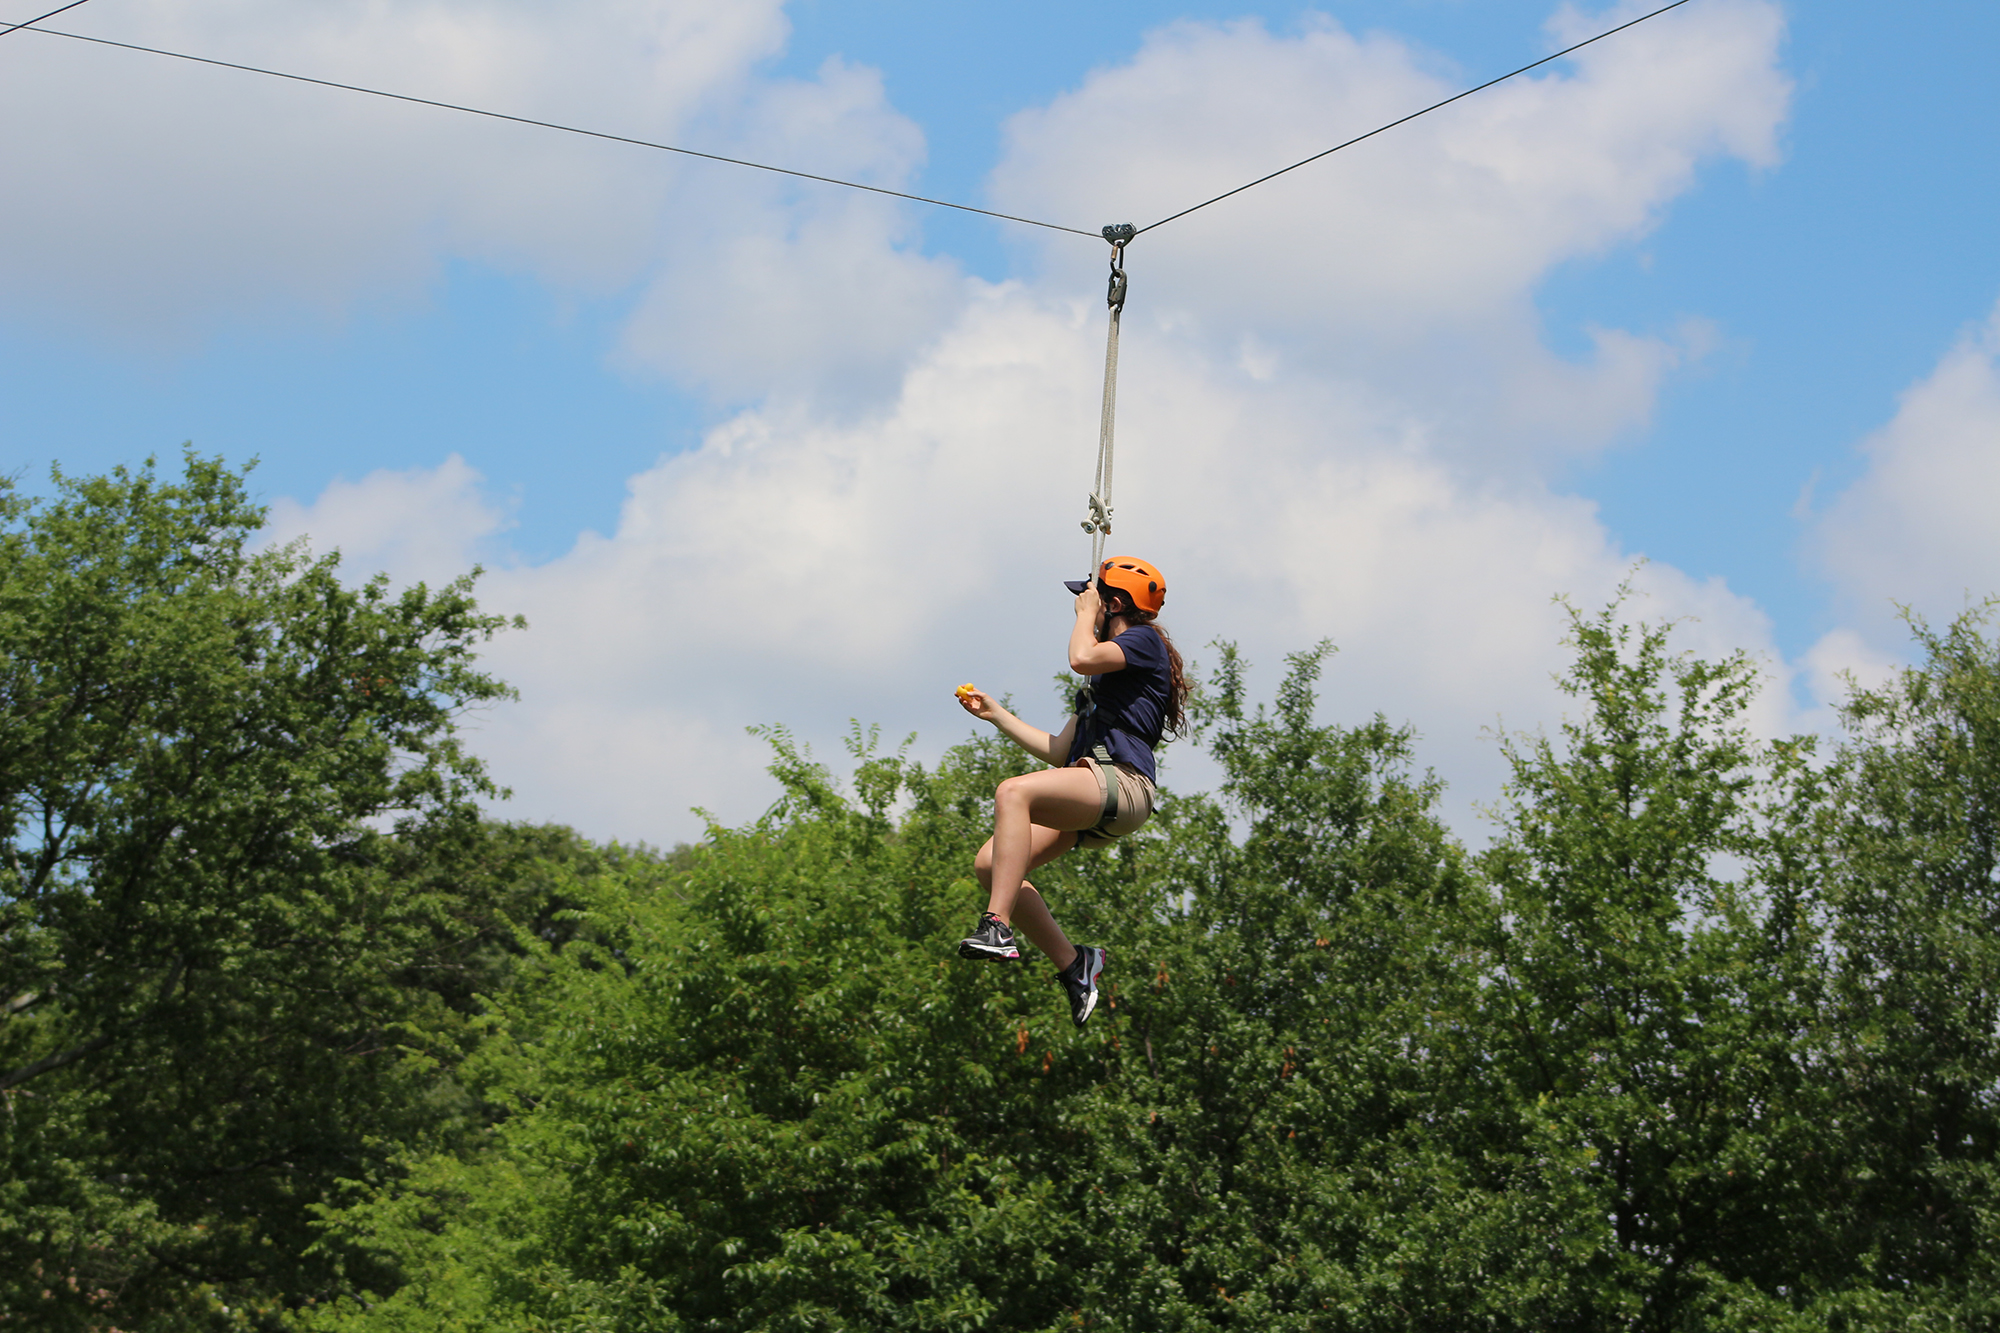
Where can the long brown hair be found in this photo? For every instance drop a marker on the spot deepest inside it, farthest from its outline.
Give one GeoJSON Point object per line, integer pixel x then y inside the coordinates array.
{"type": "Point", "coordinates": [1175, 724]}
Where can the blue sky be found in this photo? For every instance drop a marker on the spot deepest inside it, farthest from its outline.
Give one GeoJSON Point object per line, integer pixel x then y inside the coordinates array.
{"type": "Point", "coordinates": [1796, 295]}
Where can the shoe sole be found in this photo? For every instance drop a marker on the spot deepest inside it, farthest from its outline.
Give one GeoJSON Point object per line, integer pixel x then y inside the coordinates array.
{"type": "Point", "coordinates": [984, 953]}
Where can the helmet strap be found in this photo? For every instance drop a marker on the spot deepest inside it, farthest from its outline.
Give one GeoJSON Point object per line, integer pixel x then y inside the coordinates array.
{"type": "Point", "coordinates": [1104, 609]}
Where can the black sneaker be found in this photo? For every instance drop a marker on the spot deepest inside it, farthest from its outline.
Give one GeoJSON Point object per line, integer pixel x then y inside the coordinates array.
{"type": "Point", "coordinates": [1080, 980]}
{"type": "Point", "coordinates": [993, 941]}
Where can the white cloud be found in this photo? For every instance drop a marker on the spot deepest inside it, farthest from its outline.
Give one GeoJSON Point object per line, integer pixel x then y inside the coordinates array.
{"type": "Point", "coordinates": [428, 524]}
{"type": "Point", "coordinates": [1839, 663]}
{"type": "Point", "coordinates": [159, 199]}
{"type": "Point", "coordinates": [1918, 526]}
{"type": "Point", "coordinates": [1334, 406]}
{"type": "Point", "coordinates": [792, 571]}
{"type": "Point", "coordinates": [1408, 261]}
{"type": "Point", "coordinates": [157, 195]}
{"type": "Point", "coordinates": [781, 288]}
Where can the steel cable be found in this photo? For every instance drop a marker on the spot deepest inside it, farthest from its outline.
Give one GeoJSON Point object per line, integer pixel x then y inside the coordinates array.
{"type": "Point", "coordinates": [1412, 116]}
{"type": "Point", "coordinates": [16, 27]}
{"type": "Point", "coordinates": [807, 175]}
{"type": "Point", "coordinates": [539, 124]}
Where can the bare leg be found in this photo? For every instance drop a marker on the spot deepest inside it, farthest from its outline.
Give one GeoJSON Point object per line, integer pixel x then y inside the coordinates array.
{"type": "Point", "coordinates": [1033, 919]}
{"type": "Point", "coordinates": [1035, 820]}
{"type": "Point", "coordinates": [1048, 845]}
{"type": "Point", "coordinates": [1025, 811]}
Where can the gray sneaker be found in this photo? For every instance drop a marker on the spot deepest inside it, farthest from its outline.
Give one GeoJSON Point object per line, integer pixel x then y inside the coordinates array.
{"type": "Point", "coordinates": [1080, 980]}
{"type": "Point", "coordinates": [993, 941]}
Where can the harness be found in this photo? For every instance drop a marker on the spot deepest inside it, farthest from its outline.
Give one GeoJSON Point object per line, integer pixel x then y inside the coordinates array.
{"type": "Point", "coordinates": [1107, 768]}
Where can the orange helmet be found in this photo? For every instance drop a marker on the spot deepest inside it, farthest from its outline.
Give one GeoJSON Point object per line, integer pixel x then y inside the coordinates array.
{"type": "Point", "coordinates": [1141, 582]}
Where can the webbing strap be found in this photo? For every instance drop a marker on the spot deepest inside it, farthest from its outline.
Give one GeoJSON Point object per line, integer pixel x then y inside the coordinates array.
{"type": "Point", "coordinates": [1098, 521]}
{"type": "Point", "coordinates": [1100, 491]}
{"type": "Point", "coordinates": [1107, 777]}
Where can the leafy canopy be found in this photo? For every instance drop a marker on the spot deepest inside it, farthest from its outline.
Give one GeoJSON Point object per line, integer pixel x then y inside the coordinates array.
{"type": "Point", "coordinates": [220, 772]}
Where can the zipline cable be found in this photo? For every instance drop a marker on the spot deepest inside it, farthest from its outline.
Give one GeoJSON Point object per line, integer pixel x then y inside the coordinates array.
{"type": "Point", "coordinates": [1097, 521]}
{"type": "Point", "coordinates": [807, 175]}
{"type": "Point", "coordinates": [1412, 116]}
{"type": "Point", "coordinates": [539, 124]}
{"type": "Point", "coordinates": [16, 27]}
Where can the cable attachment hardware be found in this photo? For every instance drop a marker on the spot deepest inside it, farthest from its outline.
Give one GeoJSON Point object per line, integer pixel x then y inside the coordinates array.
{"type": "Point", "coordinates": [1100, 516]}
{"type": "Point", "coordinates": [1119, 234]}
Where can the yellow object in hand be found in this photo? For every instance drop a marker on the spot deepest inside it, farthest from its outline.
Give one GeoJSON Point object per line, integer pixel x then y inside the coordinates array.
{"type": "Point", "coordinates": [967, 690]}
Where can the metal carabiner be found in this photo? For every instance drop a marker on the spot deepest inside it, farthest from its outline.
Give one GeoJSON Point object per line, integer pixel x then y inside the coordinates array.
{"type": "Point", "coordinates": [1119, 234]}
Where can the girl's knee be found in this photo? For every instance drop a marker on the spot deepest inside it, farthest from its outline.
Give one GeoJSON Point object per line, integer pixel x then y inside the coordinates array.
{"type": "Point", "coordinates": [1011, 791]}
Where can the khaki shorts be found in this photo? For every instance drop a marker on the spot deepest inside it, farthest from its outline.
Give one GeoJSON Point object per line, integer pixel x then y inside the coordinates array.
{"type": "Point", "coordinates": [1135, 803]}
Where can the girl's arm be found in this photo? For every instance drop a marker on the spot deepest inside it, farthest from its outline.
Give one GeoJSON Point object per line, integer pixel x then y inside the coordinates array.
{"type": "Point", "coordinates": [1088, 657]}
{"type": "Point", "coordinates": [1049, 749]}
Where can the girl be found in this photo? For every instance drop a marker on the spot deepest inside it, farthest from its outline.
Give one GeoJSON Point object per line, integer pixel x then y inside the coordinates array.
{"type": "Point", "coordinates": [1104, 787]}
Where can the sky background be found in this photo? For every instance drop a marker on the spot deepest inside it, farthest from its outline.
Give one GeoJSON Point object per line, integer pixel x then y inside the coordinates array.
{"type": "Point", "coordinates": [1719, 293]}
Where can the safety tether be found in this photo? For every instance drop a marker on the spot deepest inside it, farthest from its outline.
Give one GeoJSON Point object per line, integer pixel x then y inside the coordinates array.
{"type": "Point", "coordinates": [1097, 522]}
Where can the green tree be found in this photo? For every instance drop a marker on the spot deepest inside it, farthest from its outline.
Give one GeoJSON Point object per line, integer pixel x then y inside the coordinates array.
{"type": "Point", "coordinates": [766, 1095]}
{"type": "Point", "coordinates": [1655, 1006]}
{"type": "Point", "coordinates": [219, 770]}
{"type": "Point", "coordinates": [1912, 883]}
{"type": "Point", "coordinates": [1274, 1149]}
{"type": "Point", "coordinates": [1705, 1040]}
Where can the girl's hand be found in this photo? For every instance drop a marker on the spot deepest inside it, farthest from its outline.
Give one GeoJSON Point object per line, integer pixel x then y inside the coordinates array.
{"type": "Point", "coordinates": [1088, 657]}
{"type": "Point", "coordinates": [979, 703]}
{"type": "Point", "coordinates": [987, 709]}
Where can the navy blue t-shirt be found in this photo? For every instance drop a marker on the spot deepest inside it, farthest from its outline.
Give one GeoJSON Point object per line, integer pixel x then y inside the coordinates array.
{"type": "Point", "coordinates": [1131, 705]}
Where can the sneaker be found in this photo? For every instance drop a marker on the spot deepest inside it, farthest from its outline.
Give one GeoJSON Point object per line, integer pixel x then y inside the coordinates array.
{"type": "Point", "coordinates": [993, 941]}
{"type": "Point", "coordinates": [1080, 980]}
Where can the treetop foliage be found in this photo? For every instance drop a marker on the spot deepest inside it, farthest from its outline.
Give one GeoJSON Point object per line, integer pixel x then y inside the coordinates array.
{"type": "Point", "coordinates": [294, 1038]}
{"type": "Point", "coordinates": [1627, 1068]}
{"type": "Point", "coordinates": [202, 955]}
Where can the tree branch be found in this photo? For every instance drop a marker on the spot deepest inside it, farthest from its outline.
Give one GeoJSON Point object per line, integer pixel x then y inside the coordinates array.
{"type": "Point", "coordinates": [50, 1062]}
{"type": "Point", "coordinates": [56, 1061]}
